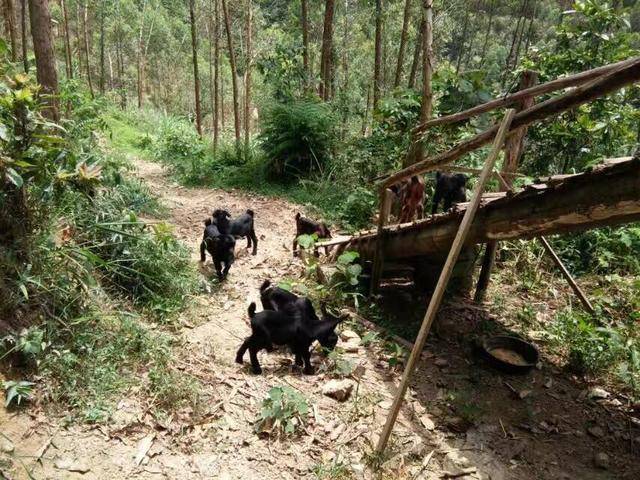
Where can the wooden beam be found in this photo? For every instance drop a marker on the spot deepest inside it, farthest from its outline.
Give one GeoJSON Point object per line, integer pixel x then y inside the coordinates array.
{"type": "Point", "coordinates": [445, 275]}
{"type": "Point", "coordinates": [616, 79]}
{"type": "Point", "coordinates": [605, 196]}
{"type": "Point", "coordinates": [583, 298]}
{"type": "Point", "coordinates": [557, 84]}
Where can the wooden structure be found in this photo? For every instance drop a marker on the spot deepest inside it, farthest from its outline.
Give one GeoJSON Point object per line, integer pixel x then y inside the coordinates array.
{"type": "Point", "coordinates": [556, 205]}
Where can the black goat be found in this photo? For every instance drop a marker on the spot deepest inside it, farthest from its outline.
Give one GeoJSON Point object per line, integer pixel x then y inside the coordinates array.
{"type": "Point", "coordinates": [306, 226]}
{"type": "Point", "coordinates": [220, 246]}
{"type": "Point", "coordinates": [243, 226]}
{"type": "Point", "coordinates": [451, 188]}
{"type": "Point", "coordinates": [276, 298]}
{"type": "Point", "coordinates": [290, 327]}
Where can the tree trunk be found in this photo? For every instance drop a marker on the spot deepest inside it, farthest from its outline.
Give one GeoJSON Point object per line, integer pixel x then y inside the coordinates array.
{"type": "Point", "coordinates": [345, 68]}
{"type": "Point", "coordinates": [10, 27]}
{"type": "Point", "coordinates": [216, 76]}
{"type": "Point", "coordinates": [45, 57]}
{"type": "Point", "coordinates": [102, 69]}
{"type": "Point", "coordinates": [377, 80]}
{"type": "Point", "coordinates": [327, 51]}
{"type": "Point", "coordinates": [67, 38]}
{"type": "Point", "coordinates": [234, 75]}
{"type": "Point", "coordinates": [305, 42]}
{"type": "Point", "coordinates": [488, 32]}
{"type": "Point", "coordinates": [416, 56]}
{"type": "Point", "coordinates": [247, 83]}
{"type": "Point", "coordinates": [23, 20]}
{"type": "Point", "coordinates": [86, 47]}
{"type": "Point", "coordinates": [196, 77]}
{"type": "Point", "coordinates": [463, 40]}
{"type": "Point", "coordinates": [365, 118]}
{"type": "Point", "coordinates": [416, 151]}
{"type": "Point", "coordinates": [403, 43]}
{"type": "Point", "coordinates": [212, 29]}
{"type": "Point", "coordinates": [140, 59]}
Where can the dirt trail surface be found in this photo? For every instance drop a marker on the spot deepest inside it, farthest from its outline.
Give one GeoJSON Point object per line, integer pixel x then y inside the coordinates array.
{"type": "Point", "coordinates": [459, 420]}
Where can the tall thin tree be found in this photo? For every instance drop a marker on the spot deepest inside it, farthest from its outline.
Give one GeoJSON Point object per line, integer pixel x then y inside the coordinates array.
{"type": "Point", "coordinates": [10, 26]}
{"type": "Point", "coordinates": [304, 17]}
{"type": "Point", "coordinates": [247, 77]}
{"type": "Point", "coordinates": [46, 73]}
{"type": "Point", "coordinates": [23, 20]}
{"type": "Point", "coordinates": [416, 56]}
{"type": "Point", "coordinates": [212, 27]}
{"type": "Point", "coordinates": [196, 76]}
{"type": "Point", "coordinates": [416, 152]}
{"type": "Point", "coordinates": [102, 40]}
{"type": "Point", "coordinates": [377, 64]}
{"type": "Point", "coordinates": [216, 76]}
{"type": "Point", "coordinates": [67, 38]}
{"type": "Point", "coordinates": [403, 43]}
{"type": "Point", "coordinates": [85, 33]}
{"type": "Point", "coordinates": [234, 73]}
{"type": "Point", "coordinates": [326, 60]}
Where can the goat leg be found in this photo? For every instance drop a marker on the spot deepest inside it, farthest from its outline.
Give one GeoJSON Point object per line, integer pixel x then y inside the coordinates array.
{"type": "Point", "coordinates": [255, 365]}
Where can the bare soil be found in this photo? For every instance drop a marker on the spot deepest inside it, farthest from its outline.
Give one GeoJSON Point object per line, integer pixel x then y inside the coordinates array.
{"type": "Point", "coordinates": [460, 419]}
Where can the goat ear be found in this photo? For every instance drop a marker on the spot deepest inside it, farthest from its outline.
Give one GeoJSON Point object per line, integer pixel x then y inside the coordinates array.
{"type": "Point", "coordinates": [227, 214]}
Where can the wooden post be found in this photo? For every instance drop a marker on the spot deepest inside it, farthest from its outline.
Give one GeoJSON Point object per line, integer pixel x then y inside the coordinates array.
{"type": "Point", "coordinates": [386, 198]}
{"type": "Point", "coordinates": [513, 152]}
{"type": "Point", "coordinates": [583, 298]}
{"type": "Point", "coordinates": [445, 275]}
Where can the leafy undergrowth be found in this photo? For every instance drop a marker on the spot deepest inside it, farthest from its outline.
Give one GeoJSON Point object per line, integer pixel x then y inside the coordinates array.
{"type": "Point", "coordinates": [538, 302]}
{"type": "Point", "coordinates": [89, 288]}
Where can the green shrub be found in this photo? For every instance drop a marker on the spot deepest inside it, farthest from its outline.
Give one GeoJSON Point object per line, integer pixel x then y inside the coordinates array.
{"type": "Point", "coordinates": [297, 138]}
{"type": "Point", "coordinates": [283, 411]}
{"type": "Point", "coordinates": [359, 207]}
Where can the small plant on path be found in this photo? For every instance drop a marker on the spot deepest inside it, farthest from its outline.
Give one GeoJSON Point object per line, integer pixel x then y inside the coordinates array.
{"type": "Point", "coordinates": [284, 411]}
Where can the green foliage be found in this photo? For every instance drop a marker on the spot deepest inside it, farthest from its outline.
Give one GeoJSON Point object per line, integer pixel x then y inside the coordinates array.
{"type": "Point", "coordinates": [338, 366]}
{"type": "Point", "coordinates": [17, 392]}
{"type": "Point", "coordinates": [592, 34]}
{"type": "Point", "coordinates": [603, 250]}
{"type": "Point", "coordinates": [284, 411]}
{"type": "Point", "coordinates": [297, 138]}
{"type": "Point", "coordinates": [359, 207]}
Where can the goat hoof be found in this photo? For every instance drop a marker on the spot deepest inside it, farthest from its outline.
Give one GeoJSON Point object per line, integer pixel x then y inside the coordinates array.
{"type": "Point", "coordinates": [239, 360]}
{"type": "Point", "coordinates": [309, 371]}
{"type": "Point", "coordinates": [256, 371]}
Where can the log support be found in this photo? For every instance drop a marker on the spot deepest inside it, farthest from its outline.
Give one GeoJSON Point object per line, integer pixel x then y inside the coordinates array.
{"type": "Point", "coordinates": [512, 153]}
{"type": "Point", "coordinates": [436, 298]}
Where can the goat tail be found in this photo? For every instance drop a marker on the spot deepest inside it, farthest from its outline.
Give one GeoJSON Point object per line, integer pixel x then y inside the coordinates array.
{"type": "Point", "coordinates": [298, 216]}
{"type": "Point", "coordinates": [252, 310]}
{"type": "Point", "coordinates": [208, 222]}
{"type": "Point", "coordinates": [266, 284]}
{"type": "Point", "coordinates": [250, 212]}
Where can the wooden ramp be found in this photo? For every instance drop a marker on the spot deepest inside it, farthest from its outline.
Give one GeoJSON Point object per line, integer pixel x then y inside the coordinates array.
{"type": "Point", "coordinates": [608, 194]}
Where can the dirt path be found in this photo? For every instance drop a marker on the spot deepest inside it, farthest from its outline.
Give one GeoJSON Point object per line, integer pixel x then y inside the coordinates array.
{"type": "Point", "coordinates": [434, 433]}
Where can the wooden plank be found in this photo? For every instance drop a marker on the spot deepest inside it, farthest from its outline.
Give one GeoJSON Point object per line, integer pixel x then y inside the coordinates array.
{"type": "Point", "coordinates": [600, 87]}
{"type": "Point", "coordinates": [557, 84]}
{"type": "Point", "coordinates": [445, 275]}
{"type": "Point", "coordinates": [580, 294]}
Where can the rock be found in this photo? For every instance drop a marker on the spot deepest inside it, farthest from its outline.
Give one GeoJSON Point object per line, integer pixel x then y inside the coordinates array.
{"type": "Point", "coordinates": [351, 346]}
{"type": "Point", "coordinates": [457, 424]}
{"type": "Point", "coordinates": [427, 423]}
{"type": "Point", "coordinates": [601, 460]}
{"type": "Point", "coordinates": [441, 362]}
{"type": "Point", "coordinates": [524, 394]}
{"type": "Point", "coordinates": [596, 431]}
{"type": "Point", "coordinates": [6, 446]}
{"type": "Point", "coordinates": [338, 389]}
{"type": "Point", "coordinates": [597, 393]}
{"type": "Point", "coordinates": [349, 335]}
{"type": "Point", "coordinates": [77, 465]}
